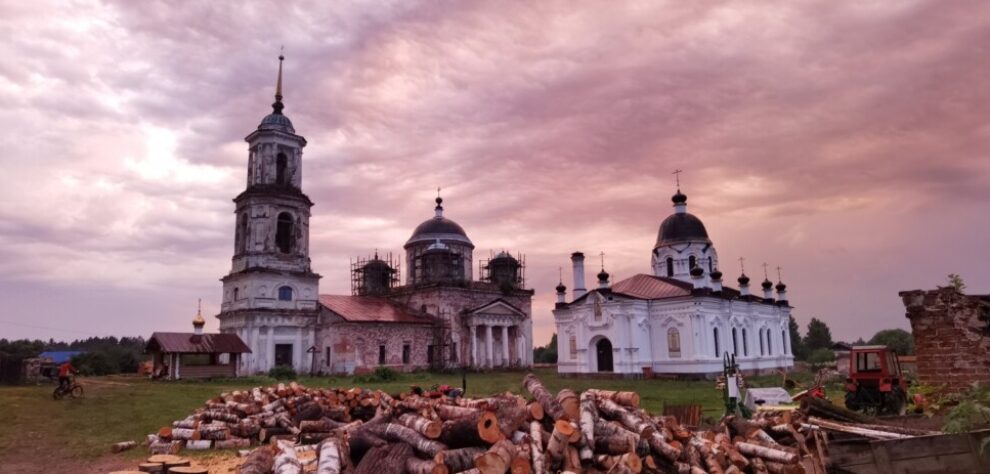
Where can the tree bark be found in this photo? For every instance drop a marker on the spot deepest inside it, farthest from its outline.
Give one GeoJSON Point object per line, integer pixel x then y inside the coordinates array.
{"type": "Point", "coordinates": [329, 457]}
{"type": "Point", "coordinates": [415, 465]}
{"type": "Point", "coordinates": [559, 440]}
{"type": "Point", "coordinates": [482, 427]}
{"type": "Point", "coordinates": [458, 460]}
{"type": "Point", "coordinates": [568, 401]}
{"type": "Point", "coordinates": [542, 395]}
{"type": "Point", "coordinates": [387, 459]}
{"type": "Point", "coordinates": [766, 453]}
{"type": "Point", "coordinates": [497, 459]}
{"type": "Point", "coordinates": [397, 432]}
{"type": "Point", "coordinates": [429, 428]}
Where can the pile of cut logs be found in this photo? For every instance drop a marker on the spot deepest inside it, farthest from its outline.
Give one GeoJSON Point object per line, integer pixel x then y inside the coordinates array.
{"type": "Point", "coordinates": [329, 431]}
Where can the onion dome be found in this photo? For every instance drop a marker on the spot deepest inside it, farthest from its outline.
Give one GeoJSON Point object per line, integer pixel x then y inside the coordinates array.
{"type": "Point", "coordinates": [697, 271]}
{"type": "Point", "coordinates": [767, 284]}
{"type": "Point", "coordinates": [716, 275]}
{"type": "Point", "coordinates": [198, 321]}
{"type": "Point", "coordinates": [439, 227]}
{"type": "Point", "coordinates": [781, 286]}
{"type": "Point", "coordinates": [602, 276]}
{"type": "Point", "coordinates": [276, 120]}
{"type": "Point", "coordinates": [681, 227]}
{"type": "Point", "coordinates": [561, 288]}
{"type": "Point", "coordinates": [743, 279]}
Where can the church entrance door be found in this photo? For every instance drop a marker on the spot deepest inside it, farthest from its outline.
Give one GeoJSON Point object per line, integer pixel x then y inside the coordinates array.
{"type": "Point", "coordinates": [604, 352]}
{"type": "Point", "coordinates": [283, 355]}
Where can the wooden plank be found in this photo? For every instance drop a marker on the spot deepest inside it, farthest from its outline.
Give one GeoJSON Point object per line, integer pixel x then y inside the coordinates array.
{"type": "Point", "coordinates": [926, 446]}
{"type": "Point", "coordinates": [952, 463]}
{"type": "Point", "coordinates": [881, 457]}
{"type": "Point", "coordinates": [849, 453]}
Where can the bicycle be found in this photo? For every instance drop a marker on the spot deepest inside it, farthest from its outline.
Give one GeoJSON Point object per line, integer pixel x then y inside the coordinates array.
{"type": "Point", "coordinates": [74, 390]}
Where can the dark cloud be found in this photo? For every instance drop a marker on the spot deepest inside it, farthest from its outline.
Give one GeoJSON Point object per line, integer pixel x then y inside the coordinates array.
{"type": "Point", "coordinates": [844, 142]}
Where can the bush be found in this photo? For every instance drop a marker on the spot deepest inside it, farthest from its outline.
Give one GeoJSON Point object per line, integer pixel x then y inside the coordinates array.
{"type": "Point", "coordinates": [282, 372]}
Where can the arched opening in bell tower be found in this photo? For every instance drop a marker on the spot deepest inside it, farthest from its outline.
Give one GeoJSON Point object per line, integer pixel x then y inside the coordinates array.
{"type": "Point", "coordinates": [283, 233]}
{"type": "Point", "coordinates": [281, 162]}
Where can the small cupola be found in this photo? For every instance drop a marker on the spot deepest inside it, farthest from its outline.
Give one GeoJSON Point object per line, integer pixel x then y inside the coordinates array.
{"type": "Point", "coordinates": [198, 321]}
{"type": "Point", "coordinates": [716, 276]}
{"type": "Point", "coordinates": [743, 284]}
{"type": "Point", "coordinates": [561, 289]}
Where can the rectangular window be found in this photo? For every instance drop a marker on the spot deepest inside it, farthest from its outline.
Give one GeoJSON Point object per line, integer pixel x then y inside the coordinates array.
{"type": "Point", "coordinates": [381, 354]}
{"type": "Point", "coordinates": [573, 349]}
{"type": "Point", "coordinates": [283, 355]}
{"type": "Point", "coordinates": [453, 353]}
{"type": "Point", "coordinates": [868, 362]}
{"type": "Point", "coordinates": [406, 350]}
{"type": "Point", "coordinates": [327, 361]}
{"type": "Point", "coordinates": [430, 349]}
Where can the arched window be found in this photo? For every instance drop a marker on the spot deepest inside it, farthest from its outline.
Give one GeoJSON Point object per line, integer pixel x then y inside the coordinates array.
{"type": "Point", "coordinates": [673, 342]}
{"type": "Point", "coordinates": [285, 293]}
{"type": "Point", "coordinates": [745, 343]}
{"type": "Point", "coordinates": [242, 233]}
{"type": "Point", "coordinates": [715, 335]}
{"type": "Point", "coordinates": [283, 233]}
{"type": "Point", "coordinates": [691, 262]}
{"type": "Point", "coordinates": [783, 340]}
{"type": "Point", "coordinates": [762, 350]}
{"type": "Point", "coordinates": [769, 343]}
{"type": "Point", "coordinates": [236, 293]}
{"type": "Point", "coordinates": [281, 162]}
{"type": "Point", "coordinates": [711, 266]}
{"type": "Point", "coordinates": [670, 266]}
{"type": "Point", "coordinates": [735, 344]}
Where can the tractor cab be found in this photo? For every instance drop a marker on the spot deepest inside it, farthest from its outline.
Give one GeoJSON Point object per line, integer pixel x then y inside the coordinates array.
{"type": "Point", "coordinates": [875, 383]}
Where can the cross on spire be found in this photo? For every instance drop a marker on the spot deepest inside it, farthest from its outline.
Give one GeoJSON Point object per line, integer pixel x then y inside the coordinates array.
{"type": "Point", "coordinates": [742, 266]}
{"type": "Point", "coordinates": [765, 276]}
{"type": "Point", "coordinates": [778, 274]}
{"type": "Point", "coordinates": [677, 176]}
{"type": "Point", "coordinates": [560, 274]}
{"type": "Point", "coordinates": [603, 260]}
{"type": "Point", "coordinates": [277, 106]}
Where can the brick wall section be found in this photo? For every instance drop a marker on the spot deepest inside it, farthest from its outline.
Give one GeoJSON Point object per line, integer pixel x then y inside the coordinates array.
{"type": "Point", "coordinates": [354, 347]}
{"type": "Point", "coordinates": [951, 337]}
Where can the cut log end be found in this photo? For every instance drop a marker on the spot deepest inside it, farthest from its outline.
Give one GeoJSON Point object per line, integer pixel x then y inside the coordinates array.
{"type": "Point", "coordinates": [488, 428]}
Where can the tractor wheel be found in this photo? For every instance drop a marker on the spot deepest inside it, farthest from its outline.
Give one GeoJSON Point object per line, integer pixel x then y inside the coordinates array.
{"type": "Point", "coordinates": [895, 402]}
{"type": "Point", "coordinates": [852, 401]}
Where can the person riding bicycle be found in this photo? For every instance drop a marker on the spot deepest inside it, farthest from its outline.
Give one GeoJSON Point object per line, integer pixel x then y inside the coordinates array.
{"type": "Point", "coordinates": [64, 372]}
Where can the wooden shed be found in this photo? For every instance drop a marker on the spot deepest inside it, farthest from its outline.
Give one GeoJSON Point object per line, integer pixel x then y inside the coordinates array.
{"type": "Point", "coordinates": [195, 356]}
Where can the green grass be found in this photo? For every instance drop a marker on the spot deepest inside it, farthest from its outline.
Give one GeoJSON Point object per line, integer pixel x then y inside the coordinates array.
{"type": "Point", "coordinates": [127, 408]}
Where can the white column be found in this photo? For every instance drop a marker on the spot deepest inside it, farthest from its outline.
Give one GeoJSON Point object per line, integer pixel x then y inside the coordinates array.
{"type": "Point", "coordinates": [505, 345]}
{"type": "Point", "coordinates": [474, 346]}
{"type": "Point", "coordinates": [252, 359]}
{"type": "Point", "coordinates": [270, 355]}
{"type": "Point", "coordinates": [520, 346]}
{"type": "Point", "coordinates": [488, 345]}
{"type": "Point", "coordinates": [178, 358]}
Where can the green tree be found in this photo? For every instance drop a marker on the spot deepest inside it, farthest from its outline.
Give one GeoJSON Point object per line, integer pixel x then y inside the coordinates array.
{"type": "Point", "coordinates": [548, 353]}
{"type": "Point", "coordinates": [821, 358]}
{"type": "Point", "coordinates": [956, 282]}
{"type": "Point", "coordinates": [819, 336]}
{"type": "Point", "coordinates": [899, 340]}
{"type": "Point", "coordinates": [797, 344]}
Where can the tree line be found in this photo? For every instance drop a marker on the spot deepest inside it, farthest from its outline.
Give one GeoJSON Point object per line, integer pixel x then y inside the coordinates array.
{"type": "Point", "coordinates": [100, 355]}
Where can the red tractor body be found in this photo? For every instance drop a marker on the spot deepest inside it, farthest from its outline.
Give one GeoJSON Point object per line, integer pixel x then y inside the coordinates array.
{"type": "Point", "coordinates": [875, 381]}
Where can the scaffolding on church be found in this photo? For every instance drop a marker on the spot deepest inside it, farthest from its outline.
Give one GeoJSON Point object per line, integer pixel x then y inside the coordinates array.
{"type": "Point", "coordinates": [504, 270]}
{"type": "Point", "coordinates": [374, 276]}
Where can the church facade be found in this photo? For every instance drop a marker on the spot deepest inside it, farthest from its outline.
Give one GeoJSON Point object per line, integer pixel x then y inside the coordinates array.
{"type": "Point", "coordinates": [440, 317]}
{"type": "Point", "coordinates": [678, 319]}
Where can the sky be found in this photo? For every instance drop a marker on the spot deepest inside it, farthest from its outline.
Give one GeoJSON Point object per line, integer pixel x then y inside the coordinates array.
{"type": "Point", "coordinates": [845, 142]}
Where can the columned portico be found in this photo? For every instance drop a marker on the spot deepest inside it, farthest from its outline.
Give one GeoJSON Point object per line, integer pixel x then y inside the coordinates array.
{"type": "Point", "coordinates": [489, 359]}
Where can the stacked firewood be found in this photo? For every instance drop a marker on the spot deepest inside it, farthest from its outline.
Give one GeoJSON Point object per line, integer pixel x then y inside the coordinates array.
{"type": "Point", "coordinates": [332, 430]}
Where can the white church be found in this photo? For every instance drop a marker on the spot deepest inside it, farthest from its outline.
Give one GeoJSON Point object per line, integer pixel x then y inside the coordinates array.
{"type": "Point", "coordinates": [679, 319]}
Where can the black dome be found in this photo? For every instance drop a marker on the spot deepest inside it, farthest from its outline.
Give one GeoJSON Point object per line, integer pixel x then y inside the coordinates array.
{"type": "Point", "coordinates": [603, 276]}
{"type": "Point", "coordinates": [561, 288]}
{"type": "Point", "coordinates": [781, 286]}
{"type": "Point", "coordinates": [743, 279]}
{"type": "Point", "coordinates": [439, 228]}
{"type": "Point", "coordinates": [697, 271]}
{"type": "Point", "coordinates": [767, 284]}
{"type": "Point", "coordinates": [276, 122]}
{"type": "Point", "coordinates": [680, 228]}
{"type": "Point", "coordinates": [716, 275]}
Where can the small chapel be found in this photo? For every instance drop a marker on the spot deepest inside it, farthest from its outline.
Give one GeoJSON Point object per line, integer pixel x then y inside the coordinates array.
{"type": "Point", "coordinates": [678, 319]}
{"type": "Point", "coordinates": [440, 316]}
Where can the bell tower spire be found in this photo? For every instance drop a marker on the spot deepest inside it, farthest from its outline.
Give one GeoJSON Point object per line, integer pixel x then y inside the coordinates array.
{"type": "Point", "coordinates": [278, 106]}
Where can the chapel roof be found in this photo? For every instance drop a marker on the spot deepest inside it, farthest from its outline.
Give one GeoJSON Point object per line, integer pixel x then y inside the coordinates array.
{"type": "Point", "coordinates": [191, 343]}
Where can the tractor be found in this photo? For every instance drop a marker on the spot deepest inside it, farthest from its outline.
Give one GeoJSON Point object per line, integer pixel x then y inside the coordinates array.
{"type": "Point", "coordinates": [875, 384]}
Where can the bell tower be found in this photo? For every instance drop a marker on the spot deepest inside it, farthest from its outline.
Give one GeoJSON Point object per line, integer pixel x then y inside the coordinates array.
{"type": "Point", "coordinates": [270, 296]}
